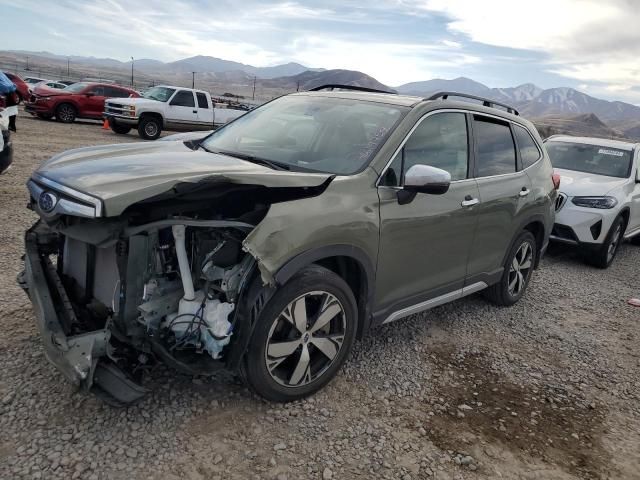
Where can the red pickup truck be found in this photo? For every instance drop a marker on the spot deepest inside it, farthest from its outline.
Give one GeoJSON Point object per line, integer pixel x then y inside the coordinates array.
{"type": "Point", "coordinates": [80, 100]}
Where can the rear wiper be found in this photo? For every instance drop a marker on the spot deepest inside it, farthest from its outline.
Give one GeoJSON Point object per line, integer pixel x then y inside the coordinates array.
{"type": "Point", "coordinates": [250, 158]}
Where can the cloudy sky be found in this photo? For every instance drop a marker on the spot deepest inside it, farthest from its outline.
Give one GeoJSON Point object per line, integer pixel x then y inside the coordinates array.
{"type": "Point", "coordinates": [593, 45]}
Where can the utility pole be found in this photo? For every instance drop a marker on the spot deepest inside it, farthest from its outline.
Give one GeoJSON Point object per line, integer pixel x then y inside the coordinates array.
{"type": "Point", "coordinates": [193, 79]}
{"type": "Point", "coordinates": [254, 88]}
{"type": "Point", "coordinates": [131, 72]}
{"type": "Point", "coordinates": [298, 86]}
{"type": "Point", "coordinates": [67, 67]}
{"type": "Point", "coordinates": [27, 69]}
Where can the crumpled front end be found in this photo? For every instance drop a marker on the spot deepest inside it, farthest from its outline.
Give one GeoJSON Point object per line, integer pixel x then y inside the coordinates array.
{"type": "Point", "coordinates": [161, 283]}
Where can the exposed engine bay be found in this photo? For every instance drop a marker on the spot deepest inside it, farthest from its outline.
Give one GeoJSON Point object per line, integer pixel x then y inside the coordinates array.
{"type": "Point", "coordinates": [150, 286]}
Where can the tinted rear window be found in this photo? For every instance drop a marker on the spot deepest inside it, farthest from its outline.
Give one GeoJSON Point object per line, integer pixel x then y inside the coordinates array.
{"type": "Point", "coordinates": [529, 153]}
{"type": "Point", "coordinates": [607, 161]}
{"type": "Point", "coordinates": [496, 153]}
{"type": "Point", "coordinates": [202, 100]}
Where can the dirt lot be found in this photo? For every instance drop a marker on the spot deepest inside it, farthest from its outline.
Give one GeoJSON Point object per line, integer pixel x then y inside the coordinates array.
{"type": "Point", "coordinates": [547, 389]}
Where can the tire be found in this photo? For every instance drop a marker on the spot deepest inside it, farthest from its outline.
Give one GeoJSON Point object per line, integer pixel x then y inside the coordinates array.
{"type": "Point", "coordinates": [274, 365]}
{"type": "Point", "coordinates": [603, 257]}
{"type": "Point", "coordinates": [66, 113]}
{"type": "Point", "coordinates": [149, 128]}
{"type": "Point", "coordinates": [635, 240]}
{"type": "Point", "coordinates": [119, 128]}
{"type": "Point", "coordinates": [524, 252]}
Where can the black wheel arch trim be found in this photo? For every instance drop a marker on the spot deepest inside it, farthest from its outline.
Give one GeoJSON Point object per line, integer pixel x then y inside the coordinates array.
{"type": "Point", "coordinates": [537, 218]}
{"type": "Point", "coordinates": [365, 302]}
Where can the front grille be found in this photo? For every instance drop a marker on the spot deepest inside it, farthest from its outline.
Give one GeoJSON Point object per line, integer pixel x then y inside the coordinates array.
{"type": "Point", "coordinates": [560, 201]}
{"type": "Point", "coordinates": [564, 232]}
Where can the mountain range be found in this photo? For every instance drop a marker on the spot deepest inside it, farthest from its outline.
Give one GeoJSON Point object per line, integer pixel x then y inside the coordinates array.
{"type": "Point", "coordinates": [558, 109]}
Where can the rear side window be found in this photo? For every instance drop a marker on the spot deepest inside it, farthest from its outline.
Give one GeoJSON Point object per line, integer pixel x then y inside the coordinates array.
{"type": "Point", "coordinates": [98, 91]}
{"type": "Point", "coordinates": [183, 99]}
{"type": "Point", "coordinates": [202, 100]}
{"type": "Point", "coordinates": [440, 141]}
{"type": "Point", "coordinates": [529, 153]}
{"type": "Point", "coordinates": [495, 150]}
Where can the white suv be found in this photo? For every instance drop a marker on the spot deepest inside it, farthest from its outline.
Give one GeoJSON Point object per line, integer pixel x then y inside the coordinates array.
{"type": "Point", "coordinates": [599, 201]}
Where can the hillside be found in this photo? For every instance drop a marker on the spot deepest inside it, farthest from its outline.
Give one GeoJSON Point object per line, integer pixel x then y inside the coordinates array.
{"type": "Point", "coordinates": [308, 80]}
{"type": "Point", "coordinates": [588, 125]}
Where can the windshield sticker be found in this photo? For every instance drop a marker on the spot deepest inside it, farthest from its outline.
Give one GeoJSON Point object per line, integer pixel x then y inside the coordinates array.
{"type": "Point", "coordinates": [615, 153]}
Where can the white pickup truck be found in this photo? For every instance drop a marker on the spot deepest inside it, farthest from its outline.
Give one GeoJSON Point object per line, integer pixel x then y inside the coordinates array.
{"type": "Point", "coordinates": [167, 108]}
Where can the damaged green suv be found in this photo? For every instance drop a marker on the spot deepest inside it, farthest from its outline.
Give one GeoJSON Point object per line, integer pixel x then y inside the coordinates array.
{"type": "Point", "coordinates": [270, 245]}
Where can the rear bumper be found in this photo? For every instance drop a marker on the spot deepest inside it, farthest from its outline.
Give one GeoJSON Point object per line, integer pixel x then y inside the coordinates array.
{"type": "Point", "coordinates": [75, 356]}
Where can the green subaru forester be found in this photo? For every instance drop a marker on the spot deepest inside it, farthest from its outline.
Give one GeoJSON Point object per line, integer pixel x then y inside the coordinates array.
{"type": "Point", "coordinates": [270, 245]}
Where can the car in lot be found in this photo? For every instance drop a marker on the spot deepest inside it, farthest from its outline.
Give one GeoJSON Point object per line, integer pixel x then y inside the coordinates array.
{"type": "Point", "coordinates": [47, 86]}
{"type": "Point", "coordinates": [269, 246]}
{"type": "Point", "coordinates": [33, 80]}
{"type": "Point", "coordinates": [599, 203]}
{"type": "Point", "coordinates": [80, 100]}
{"type": "Point", "coordinates": [21, 87]}
{"type": "Point", "coordinates": [167, 108]}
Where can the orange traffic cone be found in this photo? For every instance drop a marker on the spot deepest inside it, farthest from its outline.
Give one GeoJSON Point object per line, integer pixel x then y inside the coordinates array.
{"type": "Point", "coordinates": [105, 125]}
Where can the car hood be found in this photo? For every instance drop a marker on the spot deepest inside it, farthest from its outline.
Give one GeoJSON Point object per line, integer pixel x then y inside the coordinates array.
{"type": "Point", "coordinates": [137, 101]}
{"type": "Point", "coordinates": [578, 184]}
{"type": "Point", "coordinates": [121, 175]}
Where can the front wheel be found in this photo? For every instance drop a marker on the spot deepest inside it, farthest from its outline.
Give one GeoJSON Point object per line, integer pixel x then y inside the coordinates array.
{"type": "Point", "coordinates": [603, 257]}
{"type": "Point", "coordinates": [119, 128]}
{"type": "Point", "coordinates": [518, 269]}
{"type": "Point", "coordinates": [149, 128]}
{"type": "Point", "coordinates": [302, 336]}
{"type": "Point", "coordinates": [66, 113]}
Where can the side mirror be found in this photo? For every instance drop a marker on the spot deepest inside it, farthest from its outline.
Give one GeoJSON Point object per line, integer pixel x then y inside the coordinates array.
{"type": "Point", "coordinates": [427, 179]}
{"type": "Point", "coordinates": [423, 179]}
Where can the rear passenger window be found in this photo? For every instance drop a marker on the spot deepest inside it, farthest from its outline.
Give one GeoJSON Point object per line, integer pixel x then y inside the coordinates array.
{"type": "Point", "coordinates": [183, 99]}
{"type": "Point", "coordinates": [439, 141]}
{"type": "Point", "coordinates": [495, 150]}
{"type": "Point", "coordinates": [529, 153]}
{"type": "Point", "coordinates": [202, 100]}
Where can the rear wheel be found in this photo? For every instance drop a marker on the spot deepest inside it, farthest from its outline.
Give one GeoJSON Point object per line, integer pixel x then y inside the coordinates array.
{"type": "Point", "coordinates": [603, 257]}
{"type": "Point", "coordinates": [119, 128]}
{"type": "Point", "coordinates": [149, 127]}
{"type": "Point", "coordinates": [66, 113]}
{"type": "Point", "coordinates": [302, 336]}
{"type": "Point", "coordinates": [517, 272]}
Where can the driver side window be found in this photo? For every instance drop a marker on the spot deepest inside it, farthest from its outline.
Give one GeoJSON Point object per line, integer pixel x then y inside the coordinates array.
{"type": "Point", "coordinates": [439, 141]}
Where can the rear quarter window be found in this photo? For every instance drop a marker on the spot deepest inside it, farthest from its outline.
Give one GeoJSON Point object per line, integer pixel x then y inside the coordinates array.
{"type": "Point", "coordinates": [529, 152]}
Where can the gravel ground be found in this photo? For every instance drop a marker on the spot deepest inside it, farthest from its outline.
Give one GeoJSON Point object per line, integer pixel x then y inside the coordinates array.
{"type": "Point", "coordinates": [547, 389]}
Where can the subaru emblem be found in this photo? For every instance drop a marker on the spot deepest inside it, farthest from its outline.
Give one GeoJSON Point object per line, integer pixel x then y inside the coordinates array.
{"type": "Point", "coordinates": [47, 201]}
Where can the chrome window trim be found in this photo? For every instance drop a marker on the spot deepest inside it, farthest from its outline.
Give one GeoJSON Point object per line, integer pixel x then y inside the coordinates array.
{"type": "Point", "coordinates": [455, 110]}
{"type": "Point", "coordinates": [97, 204]}
{"type": "Point", "coordinates": [435, 302]}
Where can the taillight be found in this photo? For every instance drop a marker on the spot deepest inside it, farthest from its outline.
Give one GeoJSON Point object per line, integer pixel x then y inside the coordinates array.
{"type": "Point", "coordinates": [556, 181]}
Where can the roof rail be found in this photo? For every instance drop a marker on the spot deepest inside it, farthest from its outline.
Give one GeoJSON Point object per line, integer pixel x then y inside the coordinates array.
{"type": "Point", "coordinates": [485, 101]}
{"type": "Point", "coordinates": [333, 86]}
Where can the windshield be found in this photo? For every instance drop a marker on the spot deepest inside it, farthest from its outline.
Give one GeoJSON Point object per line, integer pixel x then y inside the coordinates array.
{"type": "Point", "coordinates": [332, 135]}
{"type": "Point", "coordinates": [76, 87]}
{"type": "Point", "coordinates": [161, 94]}
{"type": "Point", "coordinates": [611, 162]}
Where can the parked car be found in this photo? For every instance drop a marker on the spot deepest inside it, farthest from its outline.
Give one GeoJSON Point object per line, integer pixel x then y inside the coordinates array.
{"type": "Point", "coordinates": [33, 80]}
{"type": "Point", "coordinates": [47, 86]}
{"type": "Point", "coordinates": [6, 147]}
{"type": "Point", "coordinates": [80, 100]}
{"type": "Point", "coordinates": [271, 245]}
{"type": "Point", "coordinates": [67, 82]}
{"type": "Point", "coordinates": [167, 108]}
{"type": "Point", "coordinates": [599, 202]}
{"type": "Point", "coordinates": [21, 87]}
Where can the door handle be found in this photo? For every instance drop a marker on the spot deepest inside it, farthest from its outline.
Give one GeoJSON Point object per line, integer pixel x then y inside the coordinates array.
{"type": "Point", "coordinates": [469, 201]}
{"type": "Point", "coordinates": [524, 192]}
{"type": "Point", "coordinates": [195, 111]}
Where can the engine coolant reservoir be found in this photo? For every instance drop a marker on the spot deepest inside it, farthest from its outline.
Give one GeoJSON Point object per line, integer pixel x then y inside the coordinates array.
{"type": "Point", "coordinates": [216, 314]}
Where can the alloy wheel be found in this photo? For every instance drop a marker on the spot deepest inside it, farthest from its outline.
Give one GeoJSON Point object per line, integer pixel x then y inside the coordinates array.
{"type": "Point", "coordinates": [305, 339]}
{"type": "Point", "coordinates": [615, 241]}
{"type": "Point", "coordinates": [151, 129]}
{"type": "Point", "coordinates": [65, 112]}
{"type": "Point", "coordinates": [520, 267]}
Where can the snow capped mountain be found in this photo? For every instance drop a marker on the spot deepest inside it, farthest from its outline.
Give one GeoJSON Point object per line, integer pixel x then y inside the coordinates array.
{"type": "Point", "coordinates": [531, 100]}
